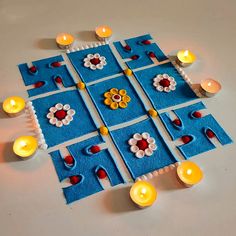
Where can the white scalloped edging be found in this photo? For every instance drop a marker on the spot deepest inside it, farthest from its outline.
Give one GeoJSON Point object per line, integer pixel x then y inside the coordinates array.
{"type": "Point", "coordinates": [87, 46]}
{"type": "Point", "coordinates": [158, 172]}
{"type": "Point", "coordinates": [38, 131]}
{"type": "Point", "coordinates": [185, 77]}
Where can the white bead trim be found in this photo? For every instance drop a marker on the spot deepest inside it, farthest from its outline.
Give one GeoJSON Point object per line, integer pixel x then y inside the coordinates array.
{"type": "Point", "coordinates": [36, 127]}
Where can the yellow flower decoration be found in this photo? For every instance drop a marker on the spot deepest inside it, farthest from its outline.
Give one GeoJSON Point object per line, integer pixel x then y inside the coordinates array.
{"type": "Point", "coordinates": [115, 98]}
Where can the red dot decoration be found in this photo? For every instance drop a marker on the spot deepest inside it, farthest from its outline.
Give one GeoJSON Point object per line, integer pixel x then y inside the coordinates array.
{"type": "Point", "coordinates": [101, 174]}
{"type": "Point", "coordinates": [69, 160]}
{"type": "Point", "coordinates": [56, 64]}
{"type": "Point", "coordinates": [58, 79]}
{"type": "Point", "coordinates": [127, 47]}
{"type": "Point", "coordinates": [95, 61]}
{"type": "Point", "coordinates": [152, 54]}
{"type": "Point", "coordinates": [74, 179]}
{"type": "Point", "coordinates": [95, 149]}
{"type": "Point", "coordinates": [60, 115]}
{"type": "Point", "coordinates": [197, 114]}
{"type": "Point", "coordinates": [164, 83]}
{"type": "Point", "coordinates": [134, 57]}
{"type": "Point", "coordinates": [39, 84]}
{"type": "Point", "coordinates": [186, 138]}
{"type": "Point", "coordinates": [177, 122]}
{"type": "Point", "coordinates": [146, 42]}
{"type": "Point", "coordinates": [142, 144]}
{"type": "Point", "coordinates": [117, 96]}
{"type": "Point", "coordinates": [210, 133]}
{"type": "Point", "coordinates": [33, 69]}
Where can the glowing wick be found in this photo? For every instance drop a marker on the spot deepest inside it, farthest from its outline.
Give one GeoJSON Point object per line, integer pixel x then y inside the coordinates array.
{"type": "Point", "coordinates": [209, 84]}
{"type": "Point", "coordinates": [189, 172]}
{"type": "Point", "coordinates": [64, 37]}
{"type": "Point", "coordinates": [103, 30]}
{"type": "Point", "coordinates": [143, 192]}
{"type": "Point", "coordinates": [12, 102]}
{"type": "Point", "coordinates": [23, 144]}
{"type": "Point", "coordinates": [186, 52]}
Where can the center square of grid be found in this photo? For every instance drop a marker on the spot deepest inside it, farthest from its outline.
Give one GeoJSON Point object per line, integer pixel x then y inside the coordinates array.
{"type": "Point", "coordinates": [161, 99]}
{"type": "Point", "coordinates": [81, 124]}
{"type": "Point", "coordinates": [112, 67]}
{"type": "Point", "coordinates": [160, 158]}
{"type": "Point", "coordinates": [134, 109]}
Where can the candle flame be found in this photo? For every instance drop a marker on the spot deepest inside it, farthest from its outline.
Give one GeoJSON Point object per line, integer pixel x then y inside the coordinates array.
{"type": "Point", "coordinates": [189, 172]}
{"type": "Point", "coordinates": [12, 102]}
{"type": "Point", "coordinates": [143, 192]}
{"type": "Point", "coordinates": [186, 52]}
{"type": "Point", "coordinates": [23, 144]}
{"type": "Point", "coordinates": [64, 37]}
{"type": "Point", "coordinates": [103, 30]}
{"type": "Point", "coordinates": [209, 84]}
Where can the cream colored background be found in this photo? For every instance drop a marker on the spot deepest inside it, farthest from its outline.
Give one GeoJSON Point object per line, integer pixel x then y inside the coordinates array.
{"type": "Point", "coordinates": [31, 202]}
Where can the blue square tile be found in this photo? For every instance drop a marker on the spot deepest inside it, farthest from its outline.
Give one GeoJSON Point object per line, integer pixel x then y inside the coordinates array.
{"type": "Point", "coordinates": [160, 100]}
{"type": "Point", "coordinates": [120, 115]}
{"type": "Point", "coordinates": [46, 75]}
{"type": "Point", "coordinates": [86, 166]}
{"type": "Point", "coordinates": [161, 157]}
{"type": "Point", "coordinates": [81, 124]}
{"type": "Point", "coordinates": [88, 75]}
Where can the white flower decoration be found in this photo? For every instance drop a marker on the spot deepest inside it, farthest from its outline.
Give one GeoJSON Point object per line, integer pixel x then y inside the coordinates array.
{"type": "Point", "coordinates": [60, 115]}
{"type": "Point", "coordinates": [164, 83]}
{"type": "Point", "coordinates": [95, 61]}
{"type": "Point", "coordinates": [142, 144]}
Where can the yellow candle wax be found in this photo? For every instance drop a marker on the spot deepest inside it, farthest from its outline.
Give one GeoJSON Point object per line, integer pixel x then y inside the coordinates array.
{"type": "Point", "coordinates": [64, 40]}
{"type": "Point", "coordinates": [210, 87]}
{"type": "Point", "coordinates": [185, 58]}
{"type": "Point", "coordinates": [25, 146]}
{"type": "Point", "coordinates": [13, 105]}
{"type": "Point", "coordinates": [143, 194]}
{"type": "Point", "coordinates": [103, 32]}
{"type": "Point", "coordinates": [189, 173]}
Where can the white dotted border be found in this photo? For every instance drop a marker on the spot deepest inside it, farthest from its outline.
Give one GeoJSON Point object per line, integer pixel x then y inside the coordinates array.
{"type": "Point", "coordinates": [186, 78]}
{"type": "Point", "coordinates": [38, 131]}
{"type": "Point", "coordinates": [87, 46]}
{"type": "Point", "coordinates": [161, 171]}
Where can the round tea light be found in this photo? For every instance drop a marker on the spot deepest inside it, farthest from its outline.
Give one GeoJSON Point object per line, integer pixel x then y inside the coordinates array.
{"type": "Point", "coordinates": [210, 87]}
{"type": "Point", "coordinates": [13, 106]}
{"type": "Point", "coordinates": [189, 173]}
{"type": "Point", "coordinates": [103, 33]}
{"type": "Point", "coordinates": [64, 40]}
{"type": "Point", "coordinates": [143, 194]}
{"type": "Point", "coordinates": [185, 58]}
{"type": "Point", "coordinates": [25, 147]}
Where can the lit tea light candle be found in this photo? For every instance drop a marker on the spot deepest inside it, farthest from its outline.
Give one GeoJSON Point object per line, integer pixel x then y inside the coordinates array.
{"type": "Point", "coordinates": [64, 40]}
{"type": "Point", "coordinates": [185, 58]}
{"type": "Point", "coordinates": [189, 173]}
{"type": "Point", "coordinates": [25, 147]}
{"type": "Point", "coordinates": [143, 194]}
{"type": "Point", "coordinates": [103, 33]}
{"type": "Point", "coordinates": [210, 87]}
{"type": "Point", "coordinates": [13, 106]}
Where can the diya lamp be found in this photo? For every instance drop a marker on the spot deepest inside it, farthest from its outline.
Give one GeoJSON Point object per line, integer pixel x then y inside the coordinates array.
{"type": "Point", "coordinates": [143, 194]}
{"type": "Point", "coordinates": [25, 147]}
{"type": "Point", "coordinates": [103, 33]}
{"type": "Point", "coordinates": [189, 173]}
{"type": "Point", "coordinates": [64, 40]}
{"type": "Point", "coordinates": [13, 106]}
{"type": "Point", "coordinates": [209, 87]}
{"type": "Point", "coordinates": [185, 58]}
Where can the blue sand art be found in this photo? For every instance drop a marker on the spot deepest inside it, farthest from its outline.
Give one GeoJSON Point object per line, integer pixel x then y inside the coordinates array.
{"type": "Point", "coordinates": [161, 157]}
{"type": "Point", "coordinates": [81, 124]}
{"type": "Point", "coordinates": [88, 75]}
{"type": "Point", "coordinates": [160, 100]}
{"type": "Point", "coordinates": [47, 75]}
{"type": "Point", "coordinates": [120, 115]}
{"type": "Point", "coordinates": [141, 50]}
{"type": "Point", "coordinates": [196, 128]}
{"type": "Point", "coordinates": [86, 168]}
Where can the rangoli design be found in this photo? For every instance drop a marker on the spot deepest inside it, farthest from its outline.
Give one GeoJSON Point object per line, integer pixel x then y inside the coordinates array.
{"type": "Point", "coordinates": [65, 119]}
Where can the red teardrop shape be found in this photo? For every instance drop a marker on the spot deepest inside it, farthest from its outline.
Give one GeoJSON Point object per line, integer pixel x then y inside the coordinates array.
{"type": "Point", "coordinates": [56, 64]}
{"type": "Point", "coordinates": [210, 133]}
{"type": "Point", "coordinates": [177, 122]}
{"type": "Point", "coordinates": [74, 179]}
{"type": "Point", "coordinates": [146, 42]}
{"type": "Point", "coordinates": [186, 138]}
{"type": "Point", "coordinates": [127, 47]}
{"type": "Point", "coordinates": [152, 54]}
{"type": "Point", "coordinates": [197, 114]}
{"type": "Point", "coordinates": [69, 160]}
{"type": "Point", "coordinates": [33, 69]}
{"type": "Point", "coordinates": [39, 84]}
{"type": "Point", "coordinates": [95, 149]}
{"type": "Point", "coordinates": [101, 174]}
{"type": "Point", "coordinates": [58, 79]}
{"type": "Point", "coordinates": [134, 57]}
